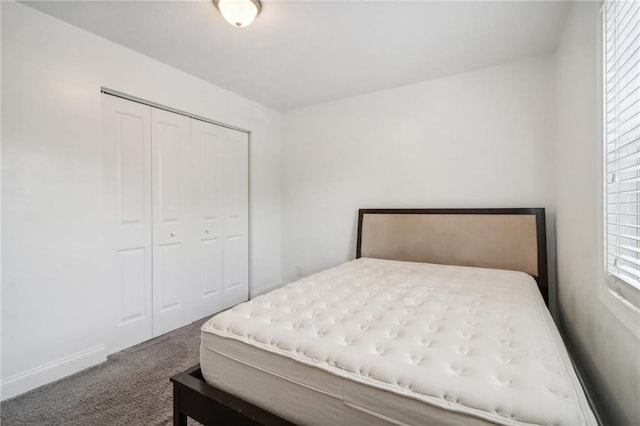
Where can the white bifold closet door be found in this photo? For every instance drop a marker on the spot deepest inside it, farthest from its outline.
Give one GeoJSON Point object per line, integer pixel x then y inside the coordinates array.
{"type": "Point", "coordinates": [235, 223]}
{"type": "Point", "coordinates": [177, 201]}
{"type": "Point", "coordinates": [173, 286]}
{"type": "Point", "coordinates": [220, 169]}
{"type": "Point", "coordinates": [127, 178]}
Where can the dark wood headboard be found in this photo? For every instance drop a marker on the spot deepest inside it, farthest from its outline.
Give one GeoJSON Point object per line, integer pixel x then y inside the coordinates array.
{"type": "Point", "coordinates": [510, 238]}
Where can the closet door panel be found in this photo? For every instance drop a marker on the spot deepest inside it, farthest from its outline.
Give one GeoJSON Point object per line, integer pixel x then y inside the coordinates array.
{"type": "Point", "coordinates": [133, 270]}
{"type": "Point", "coordinates": [207, 142]}
{"type": "Point", "coordinates": [211, 251]}
{"type": "Point", "coordinates": [127, 188]}
{"type": "Point", "coordinates": [172, 282]}
{"type": "Point", "coordinates": [235, 227]}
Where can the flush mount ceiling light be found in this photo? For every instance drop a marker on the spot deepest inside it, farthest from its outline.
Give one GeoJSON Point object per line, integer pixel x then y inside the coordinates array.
{"type": "Point", "coordinates": [239, 13]}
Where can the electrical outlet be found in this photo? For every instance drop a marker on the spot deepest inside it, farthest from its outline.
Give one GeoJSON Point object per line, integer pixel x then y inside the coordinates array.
{"type": "Point", "coordinates": [299, 271]}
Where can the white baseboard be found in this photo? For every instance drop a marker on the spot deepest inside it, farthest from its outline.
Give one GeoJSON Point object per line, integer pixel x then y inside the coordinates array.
{"type": "Point", "coordinates": [52, 371]}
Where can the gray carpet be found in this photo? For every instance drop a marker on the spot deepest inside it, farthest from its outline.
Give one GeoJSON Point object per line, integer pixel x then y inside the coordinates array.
{"type": "Point", "coordinates": [130, 388]}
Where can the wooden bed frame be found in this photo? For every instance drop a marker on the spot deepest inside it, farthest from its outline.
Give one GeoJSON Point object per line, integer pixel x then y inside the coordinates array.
{"type": "Point", "coordinates": [194, 397]}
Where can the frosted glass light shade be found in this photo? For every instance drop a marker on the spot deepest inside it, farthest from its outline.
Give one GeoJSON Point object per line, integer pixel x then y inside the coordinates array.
{"type": "Point", "coordinates": [239, 13]}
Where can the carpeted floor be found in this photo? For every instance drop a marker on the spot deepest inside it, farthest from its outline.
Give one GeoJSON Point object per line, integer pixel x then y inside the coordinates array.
{"type": "Point", "coordinates": [130, 388]}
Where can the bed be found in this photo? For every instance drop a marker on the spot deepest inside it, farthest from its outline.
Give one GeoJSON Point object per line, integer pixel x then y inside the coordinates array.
{"type": "Point", "coordinates": [440, 319]}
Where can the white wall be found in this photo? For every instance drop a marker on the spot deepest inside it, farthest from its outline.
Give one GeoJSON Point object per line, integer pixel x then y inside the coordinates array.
{"type": "Point", "coordinates": [609, 351]}
{"type": "Point", "coordinates": [479, 139]}
{"type": "Point", "coordinates": [52, 284]}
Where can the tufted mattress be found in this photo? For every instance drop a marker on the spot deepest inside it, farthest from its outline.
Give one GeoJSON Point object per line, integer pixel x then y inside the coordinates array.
{"type": "Point", "coordinates": [387, 342]}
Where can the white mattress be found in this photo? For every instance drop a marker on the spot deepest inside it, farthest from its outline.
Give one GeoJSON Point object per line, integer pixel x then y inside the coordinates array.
{"type": "Point", "coordinates": [385, 342]}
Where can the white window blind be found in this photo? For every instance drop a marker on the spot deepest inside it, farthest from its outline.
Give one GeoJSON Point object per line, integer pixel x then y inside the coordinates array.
{"type": "Point", "coordinates": [621, 74]}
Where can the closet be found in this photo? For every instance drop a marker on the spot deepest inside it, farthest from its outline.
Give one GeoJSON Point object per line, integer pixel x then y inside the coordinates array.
{"type": "Point", "coordinates": [176, 215]}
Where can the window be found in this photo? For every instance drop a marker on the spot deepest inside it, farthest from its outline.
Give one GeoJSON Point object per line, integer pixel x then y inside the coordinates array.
{"type": "Point", "coordinates": [621, 76]}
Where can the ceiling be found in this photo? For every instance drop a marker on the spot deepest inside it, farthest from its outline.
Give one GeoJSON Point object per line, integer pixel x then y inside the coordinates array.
{"type": "Point", "coordinates": [299, 53]}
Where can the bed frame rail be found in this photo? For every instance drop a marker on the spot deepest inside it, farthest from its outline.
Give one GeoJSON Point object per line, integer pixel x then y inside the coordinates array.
{"type": "Point", "coordinates": [194, 397]}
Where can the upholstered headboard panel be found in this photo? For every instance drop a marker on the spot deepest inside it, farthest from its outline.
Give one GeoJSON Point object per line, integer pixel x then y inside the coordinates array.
{"type": "Point", "coordinates": [512, 239]}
